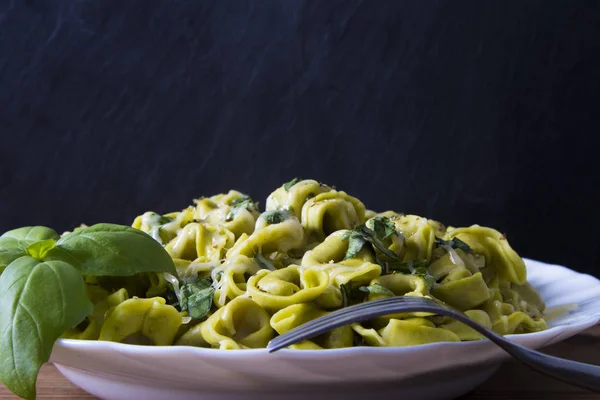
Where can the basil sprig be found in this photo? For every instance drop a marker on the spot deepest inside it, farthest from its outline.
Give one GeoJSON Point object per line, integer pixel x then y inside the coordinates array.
{"type": "Point", "coordinates": [374, 231]}
{"type": "Point", "coordinates": [42, 292]}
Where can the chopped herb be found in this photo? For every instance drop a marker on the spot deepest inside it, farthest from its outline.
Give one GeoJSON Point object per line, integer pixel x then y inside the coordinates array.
{"type": "Point", "coordinates": [157, 219]}
{"type": "Point", "coordinates": [171, 298]}
{"type": "Point", "coordinates": [237, 204]}
{"type": "Point", "coordinates": [289, 184]}
{"type": "Point", "coordinates": [355, 243]}
{"type": "Point", "coordinates": [196, 297]}
{"type": "Point", "coordinates": [275, 217]}
{"type": "Point", "coordinates": [363, 234]}
{"type": "Point", "coordinates": [382, 227]}
{"type": "Point", "coordinates": [345, 289]}
{"type": "Point", "coordinates": [455, 243]}
{"type": "Point", "coordinates": [376, 288]}
{"type": "Point", "coordinates": [423, 272]}
{"type": "Point", "coordinates": [414, 267]}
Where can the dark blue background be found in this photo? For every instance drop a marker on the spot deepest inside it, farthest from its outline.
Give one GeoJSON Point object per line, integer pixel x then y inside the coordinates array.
{"type": "Point", "coordinates": [464, 111]}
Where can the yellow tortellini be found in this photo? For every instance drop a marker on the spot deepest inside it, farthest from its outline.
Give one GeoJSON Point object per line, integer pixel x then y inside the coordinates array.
{"type": "Point", "coordinates": [245, 276]}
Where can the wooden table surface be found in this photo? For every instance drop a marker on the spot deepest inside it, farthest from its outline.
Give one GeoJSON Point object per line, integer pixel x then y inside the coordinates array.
{"type": "Point", "coordinates": [512, 381]}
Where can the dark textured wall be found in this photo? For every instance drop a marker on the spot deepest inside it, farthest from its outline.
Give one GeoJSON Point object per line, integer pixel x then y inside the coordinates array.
{"type": "Point", "coordinates": [464, 111]}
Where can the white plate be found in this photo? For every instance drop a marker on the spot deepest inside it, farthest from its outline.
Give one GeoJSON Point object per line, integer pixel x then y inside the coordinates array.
{"type": "Point", "coordinates": [433, 371]}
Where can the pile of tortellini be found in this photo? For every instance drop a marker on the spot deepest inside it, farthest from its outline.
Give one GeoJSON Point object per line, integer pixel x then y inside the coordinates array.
{"type": "Point", "coordinates": [246, 276]}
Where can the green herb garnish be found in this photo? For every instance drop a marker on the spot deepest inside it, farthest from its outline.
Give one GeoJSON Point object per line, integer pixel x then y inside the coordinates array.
{"type": "Point", "coordinates": [237, 204]}
{"type": "Point", "coordinates": [275, 217]}
{"type": "Point", "coordinates": [376, 288]}
{"type": "Point", "coordinates": [382, 227]}
{"type": "Point", "coordinates": [43, 294]}
{"type": "Point", "coordinates": [362, 234]}
{"type": "Point", "coordinates": [345, 290]}
{"type": "Point", "coordinates": [157, 220]}
{"type": "Point", "coordinates": [196, 297]}
{"type": "Point", "coordinates": [455, 243]}
{"type": "Point", "coordinates": [289, 184]}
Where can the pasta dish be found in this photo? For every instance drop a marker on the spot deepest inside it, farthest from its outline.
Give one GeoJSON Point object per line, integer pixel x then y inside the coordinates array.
{"type": "Point", "coordinates": [245, 276]}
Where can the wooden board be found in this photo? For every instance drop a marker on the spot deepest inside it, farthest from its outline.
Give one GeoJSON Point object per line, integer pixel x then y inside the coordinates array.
{"type": "Point", "coordinates": [512, 381]}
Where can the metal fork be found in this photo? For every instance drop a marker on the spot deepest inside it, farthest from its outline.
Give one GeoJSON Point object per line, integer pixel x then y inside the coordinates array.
{"type": "Point", "coordinates": [575, 373]}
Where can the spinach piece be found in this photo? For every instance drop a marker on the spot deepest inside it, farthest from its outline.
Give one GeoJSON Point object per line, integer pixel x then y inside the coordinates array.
{"type": "Point", "coordinates": [40, 301]}
{"type": "Point", "coordinates": [455, 243]}
{"type": "Point", "coordinates": [289, 184]}
{"type": "Point", "coordinates": [376, 288]}
{"type": "Point", "coordinates": [112, 250]}
{"type": "Point", "coordinates": [237, 204]}
{"type": "Point", "coordinates": [196, 297]}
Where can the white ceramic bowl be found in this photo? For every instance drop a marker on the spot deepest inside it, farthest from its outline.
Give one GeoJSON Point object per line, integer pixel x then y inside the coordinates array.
{"type": "Point", "coordinates": [434, 371]}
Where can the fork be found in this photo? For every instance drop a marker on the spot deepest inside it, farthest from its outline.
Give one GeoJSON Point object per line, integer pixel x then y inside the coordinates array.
{"type": "Point", "coordinates": [575, 373]}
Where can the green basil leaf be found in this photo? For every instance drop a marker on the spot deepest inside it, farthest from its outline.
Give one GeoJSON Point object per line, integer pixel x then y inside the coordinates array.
{"type": "Point", "coordinates": [382, 227]}
{"type": "Point", "coordinates": [13, 243]}
{"type": "Point", "coordinates": [356, 242]}
{"type": "Point", "coordinates": [376, 288]}
{"type": "Point", "coordinates": [9, 255]}
{"type": "Point", "coordinates": [369, 235]}
{"type": "Point", "coordinates": [455, 243]}
{"type": "Point", "coordinates": [423, 272]}
{"type": "Point", "coordinates": [287, 186]}
{"type": "Point", "coordinates": [346, 291]}
{"type": "Point", "coordinates": [196, 297]}
{"type": "Point", "coordinates": [237, 204]}
{"type": "Point", "coordinates": [26, 235]}
{"type": "Point", "coordinates": [275, 217]}
{"type": "Point", "coordinates": [38, 250]}
{"type": "Point", "coordinates": [112, 250]}
{"type": "Point", "coordinates": [39, 302]}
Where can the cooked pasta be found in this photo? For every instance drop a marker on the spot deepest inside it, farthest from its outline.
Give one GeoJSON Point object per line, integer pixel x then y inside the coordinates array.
{"type": "Point", "coordinates": [246, 276]}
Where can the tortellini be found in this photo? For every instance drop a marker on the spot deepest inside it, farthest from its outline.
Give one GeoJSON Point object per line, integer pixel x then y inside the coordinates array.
{"type": "Point", "coordinates": [245, 276]}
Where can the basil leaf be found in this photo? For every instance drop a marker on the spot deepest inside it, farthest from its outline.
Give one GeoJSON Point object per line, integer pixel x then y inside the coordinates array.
{"type": "Point", "coordinates": [289, 184]}
{"type": "Point", "coordinates": [112, 250]}
{"type": "Point", "coordinates": [369, 235]}
{"type": "Point", "coordinates": [423, 272]}
{"type": "Point", "coordinates": [239, 203]}
{"type": "Point", "coordinates": [196, 298]}
{"type": "Point", "coordinates": [274, 217]}
{"type": "Point", "coordinates": [40, 301]}
{"type": "Point", "coordinates": [345, 289]}
{"type": "Point", "coordinates": [25, 236]}
{"type": "Point", "coordinates": [356, 241]}
{"type": "Point", "coordinates": [38, 250]}
{"type": "Point", "coordinates": [13, 243]}
{"type": "Point", "coordinates": [382, 227]}
{"type": "Point", "coordinates": [455, 243]}
{"type": "Point", "coordinates": [376, 288]}
{"type": "Point", "coordinates": [9, 255]}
